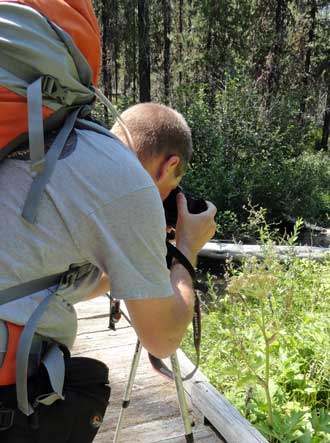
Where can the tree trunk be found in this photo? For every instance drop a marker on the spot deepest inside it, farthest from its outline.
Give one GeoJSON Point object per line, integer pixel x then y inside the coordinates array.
{"type": "Point", "coordinates": [144, 50]}
{"type": "Point", "coordinates": [181, 37]}
{"type": "Point", "coordinates": [134, 59]}
{"type": "Point", "coordinates": [130, 49]}
{"type": "Point", "coordinates": [326, 120]}
{"type": "Point", "coordinates": [106, 57]}
{"type": "Point", "coordinates": [274, 56]}
{"type": "Point", "coordinates": [115, 44]}
{"type": "Point", "coordinates": [167, 48]}
{"type": "Point", "coordinates": [307, 67]}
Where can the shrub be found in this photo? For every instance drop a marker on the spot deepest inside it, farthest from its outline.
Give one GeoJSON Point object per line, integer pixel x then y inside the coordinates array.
{"type": "Point", "coordinates": [246, 154]}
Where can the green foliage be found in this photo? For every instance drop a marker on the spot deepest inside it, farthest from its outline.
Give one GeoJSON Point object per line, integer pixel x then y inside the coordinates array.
{"type": "Point", "coordinates": [244, 154]}
{"type": "Point", "coordinates": [266, 346]}
{"type": "Point", "coordinates": [307, 182]}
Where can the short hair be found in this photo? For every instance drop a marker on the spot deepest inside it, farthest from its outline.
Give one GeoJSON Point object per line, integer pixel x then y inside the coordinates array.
{"type": "Point", "coordinates": [156, 130]}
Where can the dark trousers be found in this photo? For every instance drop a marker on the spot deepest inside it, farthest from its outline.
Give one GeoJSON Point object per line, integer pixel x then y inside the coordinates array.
{"type": "Point", "coordinates": [76, 419]}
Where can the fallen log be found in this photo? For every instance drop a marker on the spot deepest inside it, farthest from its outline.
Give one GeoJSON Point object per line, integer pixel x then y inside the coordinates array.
{"type": "Point", "coordinates": [217, 250]}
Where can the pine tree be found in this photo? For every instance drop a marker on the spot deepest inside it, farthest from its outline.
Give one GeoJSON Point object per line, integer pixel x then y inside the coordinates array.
{"type": "Point", "coordinates": [144, 50]}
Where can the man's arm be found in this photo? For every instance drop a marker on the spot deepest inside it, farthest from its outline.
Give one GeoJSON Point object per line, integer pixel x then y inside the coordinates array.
{"type": "Point", "coordinates": [160, 323]}
{"type": "Point", "coordinates": [102, 288]}
{"type": "Point", "coordinates": [158, 317]}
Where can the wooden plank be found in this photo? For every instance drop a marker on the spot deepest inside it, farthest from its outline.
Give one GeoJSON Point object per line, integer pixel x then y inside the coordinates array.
{"type": "Point", "coordinates": [223, 416]}
{"type": "Point", "coordinates": [163, 429]}
{"type": "Point", "coordinates": [202, 436]}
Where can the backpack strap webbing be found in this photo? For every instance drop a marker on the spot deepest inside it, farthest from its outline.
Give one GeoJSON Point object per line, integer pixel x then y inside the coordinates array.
{"type": "Point", "coordinates": [22, 361]}
{"type": "Point", "coordinates": [36, 126]}
{"type": "Point", "coordinates": [42, 178]}
{"type": "Point", "coordinates": [53, 122]}
{"type": "Point", "coordinates": [25, 289]}
{"type": "Point", "coordinates": [65, 278]}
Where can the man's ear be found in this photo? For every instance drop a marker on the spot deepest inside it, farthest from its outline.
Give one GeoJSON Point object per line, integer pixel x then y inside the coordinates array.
{"type": "Point", "coordinates": [167, 166]}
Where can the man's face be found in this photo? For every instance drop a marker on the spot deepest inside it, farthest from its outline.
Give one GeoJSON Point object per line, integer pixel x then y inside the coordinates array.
{"type": "Point", "coordinates": [165, 173]}
{"type": "Point", "coordinates": [168, 184]}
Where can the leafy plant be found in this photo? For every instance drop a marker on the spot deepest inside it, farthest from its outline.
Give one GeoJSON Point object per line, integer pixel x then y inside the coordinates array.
{"type": "Point", "coordinates": [266, 345]}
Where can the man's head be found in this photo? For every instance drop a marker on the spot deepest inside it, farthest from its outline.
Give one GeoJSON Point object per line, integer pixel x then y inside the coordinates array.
{"type": "Point", "coordinates": [162, 141]}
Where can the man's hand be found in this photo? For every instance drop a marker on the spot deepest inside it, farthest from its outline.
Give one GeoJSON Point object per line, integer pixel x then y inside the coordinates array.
{"type": "Point", "coordinates": [193, 230]}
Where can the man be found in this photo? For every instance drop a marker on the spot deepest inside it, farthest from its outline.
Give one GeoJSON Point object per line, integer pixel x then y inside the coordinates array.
{"type": "Point", "coordinates": [101, 206]}
{"type": "Point", "coordinates": [101, 212]}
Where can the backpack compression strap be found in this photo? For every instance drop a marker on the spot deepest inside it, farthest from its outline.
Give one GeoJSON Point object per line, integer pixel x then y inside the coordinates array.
{"type": "Point", "coordinates": [157, 364]}
{"type": "Point", "coordinates": [36, 126]}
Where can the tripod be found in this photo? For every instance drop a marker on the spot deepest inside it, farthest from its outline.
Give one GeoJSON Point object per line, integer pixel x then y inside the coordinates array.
{"type": "Point", "coordinates": [135, 362]}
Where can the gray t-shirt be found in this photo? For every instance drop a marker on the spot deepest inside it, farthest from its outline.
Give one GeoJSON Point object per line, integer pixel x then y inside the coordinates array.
{"type": "Point", "coordinates": [100, 206]}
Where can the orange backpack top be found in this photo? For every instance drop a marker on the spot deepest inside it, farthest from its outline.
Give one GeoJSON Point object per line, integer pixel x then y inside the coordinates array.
{"type": "Point", "coordinates": [77, 18]}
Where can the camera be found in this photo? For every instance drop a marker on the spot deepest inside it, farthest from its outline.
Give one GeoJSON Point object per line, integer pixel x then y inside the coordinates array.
{"type": "Point", "coordinates": [195, 206]}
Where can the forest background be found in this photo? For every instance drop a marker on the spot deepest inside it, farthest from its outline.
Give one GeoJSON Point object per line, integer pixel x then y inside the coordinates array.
{"type": "Point", "coordinates": [253, 80]}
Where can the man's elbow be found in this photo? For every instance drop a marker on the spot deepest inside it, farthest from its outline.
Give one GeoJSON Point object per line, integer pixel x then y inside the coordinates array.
{"type": "Point", "coordinates": [160, 323]}
{"type": "Point", "coordinates": [162, 349]}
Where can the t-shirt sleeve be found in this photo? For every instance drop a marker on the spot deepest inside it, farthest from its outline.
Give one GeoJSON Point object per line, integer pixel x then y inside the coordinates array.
{"type": "Point", "coordinates": [126, 239]}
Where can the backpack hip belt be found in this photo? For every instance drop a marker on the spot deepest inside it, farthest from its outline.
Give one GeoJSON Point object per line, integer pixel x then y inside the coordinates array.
{"type": "Point", "coordinates": [53, 359]}
{"type": "Point", "coordinates": [39, 347]}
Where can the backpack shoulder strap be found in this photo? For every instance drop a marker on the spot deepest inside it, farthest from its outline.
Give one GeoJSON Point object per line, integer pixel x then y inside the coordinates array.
{"type": "Point", "coordinates": [42, 178]}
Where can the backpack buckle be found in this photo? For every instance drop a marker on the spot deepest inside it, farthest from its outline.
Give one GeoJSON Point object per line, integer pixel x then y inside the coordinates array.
{"type": "Point", "coordinates": [51, 87]}
{"type": "Point", "coordinates": [38, 166]}
{"type": "Point", "coordinates": [6, 418]}
{"type": "Point", "coordinates": [68, 278]}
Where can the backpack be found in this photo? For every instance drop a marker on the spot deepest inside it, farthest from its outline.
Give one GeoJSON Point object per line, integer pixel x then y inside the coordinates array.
{"type": "Point", "coordinates": [49, 66]}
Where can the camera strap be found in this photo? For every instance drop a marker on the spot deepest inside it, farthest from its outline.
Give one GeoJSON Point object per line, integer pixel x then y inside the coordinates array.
{"type": "Point", "coordinates": [157, 364]}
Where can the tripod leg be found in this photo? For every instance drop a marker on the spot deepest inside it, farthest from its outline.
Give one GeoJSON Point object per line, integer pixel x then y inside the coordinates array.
{"type": "Point", "coordinates": [182, 399]}
{"type": "Point", "coordinates": [127, 395]}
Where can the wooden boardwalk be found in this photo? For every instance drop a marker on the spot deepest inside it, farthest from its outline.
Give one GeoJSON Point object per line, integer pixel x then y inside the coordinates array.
{"type": "Point", "coordinates": [153, 415]}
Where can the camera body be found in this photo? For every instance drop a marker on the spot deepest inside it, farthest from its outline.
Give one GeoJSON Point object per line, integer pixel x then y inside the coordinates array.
{"type": "Point", "coordinates": [195, 206]}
